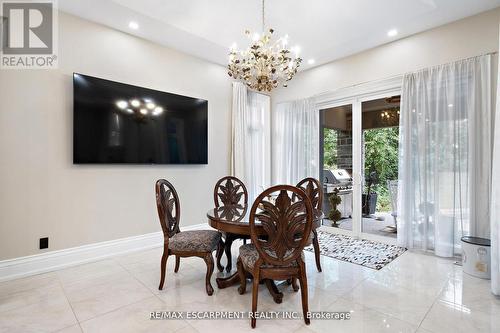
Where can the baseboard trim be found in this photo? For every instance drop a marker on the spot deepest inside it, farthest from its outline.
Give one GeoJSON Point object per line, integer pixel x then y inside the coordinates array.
{"type": "Point", "coordinates": [50, 261]}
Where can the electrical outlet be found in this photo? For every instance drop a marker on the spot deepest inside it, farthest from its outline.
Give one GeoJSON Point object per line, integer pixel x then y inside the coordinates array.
{"type": "Point", "coordinates": [44, 243]}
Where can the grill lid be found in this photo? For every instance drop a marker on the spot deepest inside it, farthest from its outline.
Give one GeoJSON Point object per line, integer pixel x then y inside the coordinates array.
{"type": "Point", "coordinates": [336, 176]}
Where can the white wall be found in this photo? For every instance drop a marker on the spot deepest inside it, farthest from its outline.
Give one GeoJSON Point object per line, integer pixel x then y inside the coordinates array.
{"type": "Point", "coordinates": [43, 194]}
{"type": "Point", "coordinates": [471, 36]}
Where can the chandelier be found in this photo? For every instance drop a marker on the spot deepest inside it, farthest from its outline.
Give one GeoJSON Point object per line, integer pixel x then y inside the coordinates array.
{"type": "Point", "coordinates": [390, 117]}
{"type": "Point", "coordinates": [266, 63]}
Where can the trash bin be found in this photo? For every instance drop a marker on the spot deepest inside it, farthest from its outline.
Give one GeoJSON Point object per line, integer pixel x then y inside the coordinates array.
{"type": "Point", "coordinates": [476, 257]}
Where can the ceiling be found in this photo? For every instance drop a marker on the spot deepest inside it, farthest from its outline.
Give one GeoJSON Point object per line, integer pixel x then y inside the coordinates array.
{"type": "Point", "coordinates": [324, 30]}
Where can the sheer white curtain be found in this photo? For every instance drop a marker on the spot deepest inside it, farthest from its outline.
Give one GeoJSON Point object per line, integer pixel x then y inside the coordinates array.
{"type": "Point", "coordinates": [295, 141]}
{"type": "Point", "coordinates": [250, 157]}
{"type": "Point", "coordinates": [495, 200]}
{"type": "Point", "coordinates": [445, 155]}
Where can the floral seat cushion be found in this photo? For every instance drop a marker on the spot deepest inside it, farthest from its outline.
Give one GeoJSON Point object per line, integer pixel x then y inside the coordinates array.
{"type": "Point", "coordinates": [195, 240]}
{"type": "Point", "coordinates": [249, 256]}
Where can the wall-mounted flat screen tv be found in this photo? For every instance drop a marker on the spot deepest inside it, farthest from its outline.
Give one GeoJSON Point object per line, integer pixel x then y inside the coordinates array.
{"type": "Point", "coordinates": [120, 123]}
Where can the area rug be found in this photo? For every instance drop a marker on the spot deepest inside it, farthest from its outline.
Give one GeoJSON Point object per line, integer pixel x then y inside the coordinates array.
{"type": "Point", "coordinates": [357, 251]}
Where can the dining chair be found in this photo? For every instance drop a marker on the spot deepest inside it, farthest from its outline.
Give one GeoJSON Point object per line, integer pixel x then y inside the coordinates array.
{"type": "Point", "coordinates": [193, 243]}
{"type": "Point", "coordinates": [279, 255]}
{"type": "Point", "coordinates": [312, 187]}
{"type": "Point", "coordinates": [230, 192]}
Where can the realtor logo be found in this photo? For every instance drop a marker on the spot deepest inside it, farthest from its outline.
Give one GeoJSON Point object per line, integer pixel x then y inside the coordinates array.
{"type": "Point", "coordinates": [28, 34]}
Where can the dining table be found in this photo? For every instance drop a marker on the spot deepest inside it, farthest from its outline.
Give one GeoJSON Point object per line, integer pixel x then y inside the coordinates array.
{"type": "Point", "coordinates": [234, 219]}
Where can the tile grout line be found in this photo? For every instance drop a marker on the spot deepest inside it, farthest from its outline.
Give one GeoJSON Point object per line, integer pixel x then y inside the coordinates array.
{"type": "Point", "coordinates": [29, 289]}
{"type": "Point", "coordinates": [432, 305]}
{"type": "Point", "coordinates": [431, 330]}
{"type": "Point", "coordinates": [188, 325]}
{"type": "Point", "coordinates": [69, 303]}
{"type": "Point", "coordinates": [96, 284]}
{"type": "Point", "coordinates": [368, 307]}
{"type": "Point", "coordinates": [152, 292]}
{"type": "Point", "coordinates": [142, 283]}
{"type": "Point", "coordinates": [355, 286]}
{"type": "Point", "coordinates": [108, 312]}
{"type": "Point", "coordinates": [382, 313]}
{"type": "Point", "coordinates": [157, 296]}
{"type": "Point", "coordinates": [436, 298]}
{"type": "Point", "coordinates": [118, 308]}
{"type": "Point", "coordinates": [16, 294]}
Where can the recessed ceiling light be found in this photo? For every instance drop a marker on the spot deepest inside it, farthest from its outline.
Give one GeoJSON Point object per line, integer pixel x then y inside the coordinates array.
{"type": "Point", "coordinates": [311, 61]}
{"type": "Point", "coordinates": [143, 111]}
{"type": "Point", "coordinates": [135, 103]}
{"type": "Point", "coordinates": [133, 25]}
{"type": "Point", "coordinates": [392, 33]}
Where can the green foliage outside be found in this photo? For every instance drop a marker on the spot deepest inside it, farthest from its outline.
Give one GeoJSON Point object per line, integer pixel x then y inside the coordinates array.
{"type": "Point", "coordinates": [330, 148]}
{"type": "Point", "coordinates": [381, 155]}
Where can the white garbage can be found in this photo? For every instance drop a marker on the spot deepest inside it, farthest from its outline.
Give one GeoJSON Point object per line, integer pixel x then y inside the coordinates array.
{"type": "Point", "coordinates": [476, 256]}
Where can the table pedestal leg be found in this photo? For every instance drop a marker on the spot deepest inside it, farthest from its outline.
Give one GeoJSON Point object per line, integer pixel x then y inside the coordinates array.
{"type": "Point", "coordinates": [228, 281]}
{"type": "Point", "coordinates": [230, 238]}
{"type": "Point", "coordinates": [273, 290]}
{"type": "Point", "coordinates": [235, 279]}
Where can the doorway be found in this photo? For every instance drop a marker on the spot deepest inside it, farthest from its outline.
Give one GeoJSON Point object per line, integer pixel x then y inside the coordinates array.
{"type": "Point", "coordinates": [380, 140]}
{"type": "Point", "coordinates": [337, 157]}
{"type": "Point", "coordinates": [359, 165]}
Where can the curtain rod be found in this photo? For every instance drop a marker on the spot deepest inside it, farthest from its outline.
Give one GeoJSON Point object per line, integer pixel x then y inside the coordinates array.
{"type": "Point", "coordinates": [358, 84]}
{"type": "Point", "coordinates": [451, 62]}
{"type": "Point", "coordinates": [393, 76]}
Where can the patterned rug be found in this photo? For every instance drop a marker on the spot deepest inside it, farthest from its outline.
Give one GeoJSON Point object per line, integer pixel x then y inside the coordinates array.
{"type": "Point", "coordinates": [357, 251]}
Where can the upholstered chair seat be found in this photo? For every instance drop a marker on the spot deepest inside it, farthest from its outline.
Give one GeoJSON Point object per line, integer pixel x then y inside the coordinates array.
{"type": "Point", "coordinates": [195, 241]}
{"type": "Point", "coordinates": [249, 256]}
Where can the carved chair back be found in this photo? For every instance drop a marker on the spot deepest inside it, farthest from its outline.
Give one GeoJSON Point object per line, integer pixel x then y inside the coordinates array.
{"type": "Point", "coordinates": [312, 187]}
{"type": "Point", "coordinates": [230, 191]}
{"type": "Point", "coordinates": [285, 221]}
{"type": "Point", "coordinates": [169, 210]}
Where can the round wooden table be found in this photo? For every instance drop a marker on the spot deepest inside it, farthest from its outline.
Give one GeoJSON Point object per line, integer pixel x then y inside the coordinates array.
{"type": "Point", "coordinates": [234, 220]}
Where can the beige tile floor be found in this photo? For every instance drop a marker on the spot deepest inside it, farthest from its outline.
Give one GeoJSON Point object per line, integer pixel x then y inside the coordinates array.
{"type": "Point", "coordinates": [414, 293]}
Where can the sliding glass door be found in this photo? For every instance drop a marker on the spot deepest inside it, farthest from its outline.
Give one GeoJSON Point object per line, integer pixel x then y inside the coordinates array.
{"type": "Point", "coordinates": [337, 165]}
{"type": "Point", "coordinates": [359, 165]}
{"type": "Point", "coordinates": [337, 152]}
{"type": "Point", "coordinates": [379, 162]}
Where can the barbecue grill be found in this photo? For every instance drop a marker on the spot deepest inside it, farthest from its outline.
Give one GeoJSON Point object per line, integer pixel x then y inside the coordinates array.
{"type": "Point", "coordinates": [341, 180]}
